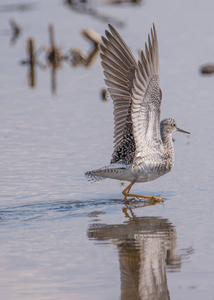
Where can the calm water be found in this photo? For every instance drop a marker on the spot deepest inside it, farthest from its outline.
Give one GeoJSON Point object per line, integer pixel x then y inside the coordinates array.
{"type": "Point", "coordinates": [62, 237]}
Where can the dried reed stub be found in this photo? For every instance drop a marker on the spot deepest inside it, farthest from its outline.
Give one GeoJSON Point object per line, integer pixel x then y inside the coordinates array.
{"type": "Point", "coordinates": [207, 69]}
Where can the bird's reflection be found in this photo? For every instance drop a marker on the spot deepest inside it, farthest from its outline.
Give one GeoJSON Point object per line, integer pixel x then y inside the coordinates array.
{"type": "Point", "coordinates": [146, 246]}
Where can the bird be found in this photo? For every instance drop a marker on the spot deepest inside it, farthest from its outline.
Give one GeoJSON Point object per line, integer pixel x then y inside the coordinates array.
{"type": "Point", "coordinates": [143, 146]}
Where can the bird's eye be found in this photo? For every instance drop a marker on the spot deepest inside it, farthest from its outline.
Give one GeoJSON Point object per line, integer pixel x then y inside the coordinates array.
{"type": "Point", "coordinates": [174, 124]}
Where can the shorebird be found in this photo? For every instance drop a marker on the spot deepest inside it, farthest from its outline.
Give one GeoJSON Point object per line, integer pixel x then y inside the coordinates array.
{"type": "Point", "coordinates": [143, 146]}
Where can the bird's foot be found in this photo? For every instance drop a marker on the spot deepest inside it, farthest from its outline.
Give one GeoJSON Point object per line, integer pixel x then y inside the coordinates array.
{"type": "Point", "coordinates": [153, 200]}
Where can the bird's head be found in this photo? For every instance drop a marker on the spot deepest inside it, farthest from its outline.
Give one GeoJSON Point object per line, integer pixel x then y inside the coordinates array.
{"type": "Point", "coordinates": [169, 126]}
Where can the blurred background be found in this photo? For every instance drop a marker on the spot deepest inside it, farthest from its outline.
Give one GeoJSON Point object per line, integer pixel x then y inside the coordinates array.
{"type": "Point", "coordinates": [60, 235]}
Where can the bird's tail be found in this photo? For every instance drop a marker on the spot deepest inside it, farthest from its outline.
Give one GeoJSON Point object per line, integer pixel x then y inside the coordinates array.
{"type": "Point", "coordinates": [114, 171]}
{"type": "Point", "coordinates": [94, 175]}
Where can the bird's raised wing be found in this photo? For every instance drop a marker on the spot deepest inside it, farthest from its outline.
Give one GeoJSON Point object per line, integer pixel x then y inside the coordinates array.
{"type": "Point", "coordinates": [119, 69]}
{"type": "Point", "coordinates": [134, 89]}
{"type": "Point", "coordinates": [146, 100]}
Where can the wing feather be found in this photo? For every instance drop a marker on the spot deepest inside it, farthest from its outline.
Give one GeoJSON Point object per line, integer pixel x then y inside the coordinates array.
{"type": "Point", "coordinates": [119, 69]}
{"type": "Point", "coordinates": [115, 78]}
{"type": "Point", "coordinates": [134, 89]}
{"type": "Point", "coordinates": [146, 100]}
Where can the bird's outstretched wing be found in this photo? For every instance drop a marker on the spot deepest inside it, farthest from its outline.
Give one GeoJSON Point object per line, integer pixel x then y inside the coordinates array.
{"type": "Point", "coordinates": [119, 69]}
{"type": "Point", "coordinates": [134, 89]}
{"type": "Point", "coordinates": [146, 100]}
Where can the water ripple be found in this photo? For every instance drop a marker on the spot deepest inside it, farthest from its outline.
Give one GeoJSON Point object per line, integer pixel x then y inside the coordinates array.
{"type": "Point", "coordinates": [51, 210]}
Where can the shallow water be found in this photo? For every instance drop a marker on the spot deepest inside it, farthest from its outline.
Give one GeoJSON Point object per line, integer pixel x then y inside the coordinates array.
{"type": "Point", "coordinates": [63, 237]}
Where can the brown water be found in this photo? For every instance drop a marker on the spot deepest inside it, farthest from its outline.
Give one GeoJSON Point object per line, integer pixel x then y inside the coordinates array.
{"type": "Point", "coordinates": [63, 237]}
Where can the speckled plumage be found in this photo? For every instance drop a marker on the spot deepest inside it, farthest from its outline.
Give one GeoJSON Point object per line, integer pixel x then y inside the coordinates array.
{"type": "Point", "coordinates": [143, 147]}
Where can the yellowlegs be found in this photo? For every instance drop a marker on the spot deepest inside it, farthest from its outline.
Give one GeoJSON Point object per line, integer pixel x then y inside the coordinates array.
{"type": "Point", "coordinates": [143, 146]}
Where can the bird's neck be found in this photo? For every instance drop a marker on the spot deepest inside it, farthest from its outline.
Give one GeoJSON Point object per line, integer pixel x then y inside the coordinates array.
{"type": "Point", "coordinates": [168, 144]}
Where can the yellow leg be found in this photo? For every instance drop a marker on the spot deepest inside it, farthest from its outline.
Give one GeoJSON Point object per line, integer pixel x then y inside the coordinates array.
{"type": "Point", "coordinates": [127, 189]}
{"type": "Point", "coordinates": [127, 194]}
